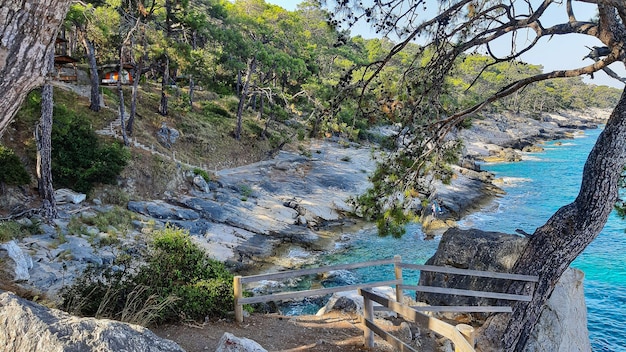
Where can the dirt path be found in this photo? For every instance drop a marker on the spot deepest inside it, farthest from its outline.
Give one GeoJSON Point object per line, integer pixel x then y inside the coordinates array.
{"type": "Point", "coordinates": [336, 332]}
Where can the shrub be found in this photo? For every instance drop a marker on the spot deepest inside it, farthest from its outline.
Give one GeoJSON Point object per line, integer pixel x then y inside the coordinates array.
{"type": "Point", "coordinates": [202, 173]}
{"type": "Point", "coordinates": [12, 171]}
{"type": "Point", "coordinates": [12, 229]}
{"type": "Point", "coordinates": [190, 285]}
{"type": "Point", "coordinates": [79, 160]}
{"type": "Point", "coordinates": [210, 107]}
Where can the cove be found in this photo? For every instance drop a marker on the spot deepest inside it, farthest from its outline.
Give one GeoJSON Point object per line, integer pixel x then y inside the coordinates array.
{"type": "Point", "coordinates": [535, 188]}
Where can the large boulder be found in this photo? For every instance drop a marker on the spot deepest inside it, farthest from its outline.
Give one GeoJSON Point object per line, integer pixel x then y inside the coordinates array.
{"type": "Point", "coordinates": [27, 326]}
{"type": "Point", "coordinates": [471, 249]}
{"type": "Point", "coordinates": [562, 325]}
{"type": "Point", "coordinates": [16, 261]}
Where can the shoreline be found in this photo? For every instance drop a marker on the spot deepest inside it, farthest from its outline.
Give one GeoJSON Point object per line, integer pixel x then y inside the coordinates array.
{"type": "Point", "coordinates": [259, 215]}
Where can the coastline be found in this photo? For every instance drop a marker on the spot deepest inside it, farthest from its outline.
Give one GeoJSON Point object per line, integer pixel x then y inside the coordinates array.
{"type": "Point", "coordinates": [283, 212]}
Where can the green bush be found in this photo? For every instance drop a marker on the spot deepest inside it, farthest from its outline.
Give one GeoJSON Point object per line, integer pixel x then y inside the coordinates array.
{"type": "Point", "coordinates": [12, 171]}
{"type": "Point", "coordinates": [11, 229]}
{"type": "Point", "coordinates": [79, 160]}
{"type": "Point", "coordinates": [202, 173]}
{"type": "Point", "coordinates": [190, 285]}
{"type": "Point", "coordinates": [209, 107]}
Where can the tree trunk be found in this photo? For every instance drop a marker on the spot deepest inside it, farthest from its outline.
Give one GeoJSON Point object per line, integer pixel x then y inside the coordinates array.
{"type": "Point", "coordinates": [192, 86]}
{"type": "Point", "coordinates": [239, 83]}
{"type": "Point", "coordinates": [27, 33]}
{"type": "Point", "coordinates": [120, 94]}
{"type": "Point", "coordinates": [44, 152]}
{"type": "Point", "coordinates": [164, 83]}
{"type": "Point", "coordinates": [194, 46]}
{"type": "Point", "coordinates": [137, 72]}
{"type": "Point", "coordinates": [93, 73]}
{"type": "Point", "coordinates": [244, 94]}
{"type": "Point", "coordinates": [555, 245]}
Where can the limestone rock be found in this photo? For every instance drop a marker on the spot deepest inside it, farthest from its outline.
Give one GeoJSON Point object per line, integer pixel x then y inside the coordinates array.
{"type": "Point", "coordinates": [19, 262]}
{"type": "Point", "coordinates": [27, 326]}
{"type": "Point", "coordinates": [161, 210]}
{"type": "Point", "coordinates": [201, 183]}
{"type": "Point", "coordinates": [470, 249]}
{"type": "Point", "coordinates": [64, 195]}
{"type": "Point", "coordinates": [562, 326]}
{"type": "Point", "coordinates": [351, 301]}
{"type": "Point", "coordinates": [232, 343]}
{"type": "Point", "coordinates": [167, 135]}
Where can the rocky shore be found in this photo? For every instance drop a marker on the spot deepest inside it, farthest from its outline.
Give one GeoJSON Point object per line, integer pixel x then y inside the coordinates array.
{"type": "Point", "coordinates": [277, 213]}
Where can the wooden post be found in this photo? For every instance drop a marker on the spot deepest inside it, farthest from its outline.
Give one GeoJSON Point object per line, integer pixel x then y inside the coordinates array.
{"type": "Point", "coordinates": [368, 313]}
{"type": "Point", "coordinates": [468, 332]}
{"type": "Point", "coordinates": [398, 271]}
{"type": "Point", "coordinates": [238, 291]}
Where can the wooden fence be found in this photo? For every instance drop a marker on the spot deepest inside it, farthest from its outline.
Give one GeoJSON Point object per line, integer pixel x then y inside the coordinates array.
{"type": "Point", "coordinates": [240, 280]}
{"type": "Point", "coordinates": [460, 336]}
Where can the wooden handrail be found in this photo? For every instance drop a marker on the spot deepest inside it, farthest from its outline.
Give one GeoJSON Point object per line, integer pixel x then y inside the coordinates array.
{"type": "Point", "coordinates": [468, 293]}
{"type": "Point", "coordinates": [238, 282]}
{"type": "Point", "coordinates": [460, 342]}
{"type": "Point", "coordinates": [312, 293]}
{"type": "Point", "coordinates": [469, 272]}
{"type": "Point", "coordinates": [301, 272]}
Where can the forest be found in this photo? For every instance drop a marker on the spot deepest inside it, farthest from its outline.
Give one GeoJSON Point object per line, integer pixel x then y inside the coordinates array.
{"type": "Point", "coordinates": [281, 63]}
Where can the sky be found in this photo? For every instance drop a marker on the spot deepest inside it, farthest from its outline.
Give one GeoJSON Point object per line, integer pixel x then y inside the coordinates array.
{"type": "Point", "coordinates": [560, 52]}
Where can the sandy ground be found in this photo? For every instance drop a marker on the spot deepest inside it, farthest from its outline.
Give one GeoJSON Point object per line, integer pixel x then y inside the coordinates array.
{"type": "Point", "coordinates": [335, 331]}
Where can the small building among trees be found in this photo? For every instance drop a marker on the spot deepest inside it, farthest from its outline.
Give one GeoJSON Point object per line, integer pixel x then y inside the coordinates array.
{"type": "Point", "coordinates": [64, 65]}
{"type": "Point", "coordinates": [110, 74]}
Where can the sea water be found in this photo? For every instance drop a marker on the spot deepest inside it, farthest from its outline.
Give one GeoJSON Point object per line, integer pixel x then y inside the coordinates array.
{"type": "Point", "coordinates": [535, 189]}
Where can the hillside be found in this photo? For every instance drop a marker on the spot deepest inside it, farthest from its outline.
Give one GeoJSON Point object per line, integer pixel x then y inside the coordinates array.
{"type": "Point", "coordinates": [206, 141]}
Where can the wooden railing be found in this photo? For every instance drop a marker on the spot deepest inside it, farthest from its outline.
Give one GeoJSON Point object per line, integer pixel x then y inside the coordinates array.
{"type": "Point", "coordinates": [462, 292]}
{"type": "Point", "coordinates": [240, 280]}
{"type": "Point", "coordinates": [461, 335]}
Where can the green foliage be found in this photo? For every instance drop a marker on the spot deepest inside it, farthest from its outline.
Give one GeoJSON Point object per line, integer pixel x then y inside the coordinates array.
{"type": "Point", "coordinates": [203, 174]}
{"type": "Point", "coordinates": [246, 191]}
{"type": "Point", "coordinates": [15, 230]}
{"type": "Point", "coordinates": [12, 171]}
{"type": "Point", "coordinates": [79, 160]}
{"type": "Point", "coordinates": [210, 107]}
{"type": "Point", "coordinates": [117, 217]}
{"type": "Point", "coordinates": [190, 285]}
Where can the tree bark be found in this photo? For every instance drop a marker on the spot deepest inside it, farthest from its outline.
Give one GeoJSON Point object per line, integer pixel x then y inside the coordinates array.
{"type": "Point", "coordinates": [27, 33]}
{"type": "Point", "coordinates": [555, 245]}
{"type": "Point", "coordinates": [137, 73]}
{"type": "Point", "coordinates": [164, 84]}
{"type": "Point", "coordinates": [120, 94]}
{"type": "Point", "coordinates": [192, 84]}
{"type": "Point", "coordinates": [93, 73]}
{"type": "Point", "coordinates": [43, 138]}
{"type": "Point", "coordinates": [244, 95]}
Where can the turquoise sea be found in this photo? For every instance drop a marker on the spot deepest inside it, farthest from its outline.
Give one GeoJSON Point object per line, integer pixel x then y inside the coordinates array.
{"type": "Point", "coordinates": [535, 189]}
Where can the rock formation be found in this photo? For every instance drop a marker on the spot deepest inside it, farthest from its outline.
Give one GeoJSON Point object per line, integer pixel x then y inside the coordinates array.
{"type": "Point", "coordinates": [28, 326]}
{"type": "Point", "coordinates": [563, 323]}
